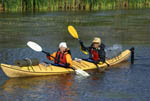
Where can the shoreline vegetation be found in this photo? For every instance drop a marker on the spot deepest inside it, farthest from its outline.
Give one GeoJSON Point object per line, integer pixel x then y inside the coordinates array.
{"type": "Point", "coordinates": [69, 5]}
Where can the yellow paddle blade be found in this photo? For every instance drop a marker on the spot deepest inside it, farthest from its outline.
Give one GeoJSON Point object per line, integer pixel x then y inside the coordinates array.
{"type": "Point", "coordinates": [86, 53]}
{"type": "Point", "coordinates": [73, 31]}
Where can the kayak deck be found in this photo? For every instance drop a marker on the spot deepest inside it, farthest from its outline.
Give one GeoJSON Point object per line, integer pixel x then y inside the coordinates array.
{"type": "Point", "coordinates": [42, 70]}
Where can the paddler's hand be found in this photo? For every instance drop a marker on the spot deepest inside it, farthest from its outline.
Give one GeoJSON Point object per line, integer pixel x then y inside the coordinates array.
{"type": "Point", "coordinates": [67, 64]}
{"type": "Point", "coordinates": [48, 54]}
{"type": "Point", "coordinates": [81, 42]}
{"type": "Point", "coordinates": [96, 62]}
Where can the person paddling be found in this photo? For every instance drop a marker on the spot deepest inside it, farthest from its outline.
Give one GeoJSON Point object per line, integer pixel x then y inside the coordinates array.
{"type": "Point", "coordinates": [96, 51]}
{"type": "Point", "coordinates": [62, 57]}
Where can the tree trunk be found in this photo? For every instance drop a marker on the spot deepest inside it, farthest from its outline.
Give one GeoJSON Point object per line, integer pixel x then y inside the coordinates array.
{"type": "Point", "coordinates": [126, 4]}
{"type": "Point", "coordinates": [3, 5]}
{"type": "Point", "coordinates": [22, 5]}
{"type": "Point", "coordinates": [33, 5]}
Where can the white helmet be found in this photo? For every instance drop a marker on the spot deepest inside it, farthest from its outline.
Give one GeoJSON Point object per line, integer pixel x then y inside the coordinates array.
{"type": "Point", "coordinates": [63, 44]}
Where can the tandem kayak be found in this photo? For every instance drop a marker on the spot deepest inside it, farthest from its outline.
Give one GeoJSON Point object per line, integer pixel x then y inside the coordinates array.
{"type": "Point", "coordinates": [43, 70]}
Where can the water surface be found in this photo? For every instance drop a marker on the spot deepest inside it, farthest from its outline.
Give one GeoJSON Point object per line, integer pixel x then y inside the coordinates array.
{"type": "Point", "coordinates": [124, 82]}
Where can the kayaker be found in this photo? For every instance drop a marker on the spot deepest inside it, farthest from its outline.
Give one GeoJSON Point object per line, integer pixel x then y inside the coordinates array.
{"type": "Point", "coordinates": [96, 51]}
{"type": "Point", "coordinates": [62, 57]}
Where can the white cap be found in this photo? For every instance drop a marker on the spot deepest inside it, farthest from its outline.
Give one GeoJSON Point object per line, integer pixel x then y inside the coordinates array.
{"type": "Point", "coordinates": [63, 44]}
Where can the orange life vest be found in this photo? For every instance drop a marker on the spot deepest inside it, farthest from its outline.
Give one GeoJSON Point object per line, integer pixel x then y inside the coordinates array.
{"type": "Point", "coordinates": [60, 58]}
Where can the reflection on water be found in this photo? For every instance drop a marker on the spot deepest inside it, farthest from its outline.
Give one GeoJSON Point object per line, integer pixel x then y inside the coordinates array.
{"type": "Point", "coordinates": [32, 88]}
{"type": "Point", "coordinates": [122, 82]}
{"type": "Point", "coordinates": [118, 83]}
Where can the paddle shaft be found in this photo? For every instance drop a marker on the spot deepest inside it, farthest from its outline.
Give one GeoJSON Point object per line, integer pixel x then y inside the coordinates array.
{"type": "Point", "coordinates": [73, 68]}
{"type": "Point", "coordinates": [74, 34]}
{"type": "Point", "coordinates": [38, 48]}
{"type": "Point", "coordinates": [105, 61]}
{"type": "Point", "coordinates": [98, 68]}
{"type": "Point", "coordinates": [78, 71]}
{"type": "Point", "coordinates": [55, 59]}
{"type": "Point", "coordinates": [51, 56]}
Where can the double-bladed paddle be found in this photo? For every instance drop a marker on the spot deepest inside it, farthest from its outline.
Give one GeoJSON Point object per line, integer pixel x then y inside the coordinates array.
{"type": "Point", "coordinates": [74, 34]}
{"type": "Point", "coordinates": [38, 48]}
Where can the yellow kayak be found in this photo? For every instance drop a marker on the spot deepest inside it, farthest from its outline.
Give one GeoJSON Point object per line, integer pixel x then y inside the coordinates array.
{"type": "Point", "coordinates": [42, 69]}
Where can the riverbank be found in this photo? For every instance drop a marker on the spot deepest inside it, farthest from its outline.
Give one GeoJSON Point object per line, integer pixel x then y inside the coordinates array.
{"type": "Point", "coordinates": [70, 5]}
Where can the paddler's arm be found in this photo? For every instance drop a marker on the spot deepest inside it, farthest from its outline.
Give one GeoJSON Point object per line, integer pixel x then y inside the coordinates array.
{"type": "Point", "coordinates": [102, 53]}
{"type": "Point", "coordinates": [69, 60]}
{"type": "Point", "coordinates": [83, 46]}
{"type": "Point", "coordinates": [52, 56]}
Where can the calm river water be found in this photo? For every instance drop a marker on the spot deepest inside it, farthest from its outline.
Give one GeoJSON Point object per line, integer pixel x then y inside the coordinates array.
{"type": "Point", "coordinates": [124, 82]}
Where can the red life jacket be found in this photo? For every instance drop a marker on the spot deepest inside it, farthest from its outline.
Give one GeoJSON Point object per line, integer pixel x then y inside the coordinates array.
{"type": "Point", "coordinates": [60, 58]}
{"type": "Point", "coordinates": [95, 55]}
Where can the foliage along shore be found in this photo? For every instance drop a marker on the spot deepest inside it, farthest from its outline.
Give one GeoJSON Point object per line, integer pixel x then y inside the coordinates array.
{"type": "Point", "coordinates": [72, 5]}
